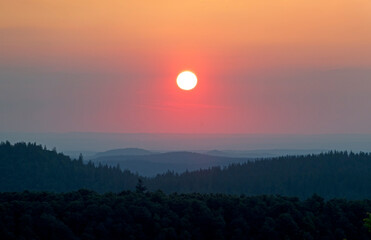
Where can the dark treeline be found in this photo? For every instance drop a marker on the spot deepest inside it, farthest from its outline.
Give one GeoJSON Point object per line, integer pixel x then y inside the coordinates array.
{"type": "Point", "coordinates": [32, 167]}
{"type": "Point", "coordinates": [143, 215]}
{"type": "Point", "coordinates": [330, 175]}
{"type": "Point", "coordinates": [333, 174]}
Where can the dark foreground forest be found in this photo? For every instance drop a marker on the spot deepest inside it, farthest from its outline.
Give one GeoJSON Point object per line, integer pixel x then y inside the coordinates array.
{"type": "Point", "coordinates": [154, 215]}
{"type": "Point", "coordinates": [330, 175]}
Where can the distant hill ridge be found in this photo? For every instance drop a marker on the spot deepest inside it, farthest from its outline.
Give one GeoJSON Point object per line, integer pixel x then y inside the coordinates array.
{"type": "Point", "coordinates": [124, 151]}
{"type": "Point", "coordinates": [157, 163]}
{"type": "Point", "coordinates": [149, 164]}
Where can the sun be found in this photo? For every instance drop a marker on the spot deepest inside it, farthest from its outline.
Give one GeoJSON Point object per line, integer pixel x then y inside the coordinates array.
{"type": "Point", "coordinates": [186, 80]}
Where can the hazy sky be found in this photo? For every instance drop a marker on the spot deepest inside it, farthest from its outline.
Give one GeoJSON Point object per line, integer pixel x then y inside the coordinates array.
{"type": "Point", "coordinates": [273, 66]}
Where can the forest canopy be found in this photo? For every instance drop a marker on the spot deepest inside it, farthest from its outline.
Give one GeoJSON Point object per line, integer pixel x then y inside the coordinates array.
{"type": "Point", "coordinates": [86, 214]}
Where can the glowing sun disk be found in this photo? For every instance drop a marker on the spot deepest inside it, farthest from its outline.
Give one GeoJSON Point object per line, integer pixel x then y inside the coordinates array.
{"type": "Point", "coordinates": [186, 80]}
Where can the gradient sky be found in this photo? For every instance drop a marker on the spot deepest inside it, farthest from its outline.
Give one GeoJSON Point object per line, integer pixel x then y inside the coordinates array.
{"type": "Point", "coordinates": [274, 66]}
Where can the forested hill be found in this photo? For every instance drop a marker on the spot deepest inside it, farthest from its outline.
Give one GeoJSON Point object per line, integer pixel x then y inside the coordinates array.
{"type": "Point", "coordinates": [32, 167]}
{"type": "Point", "coordinates": [333, 174]}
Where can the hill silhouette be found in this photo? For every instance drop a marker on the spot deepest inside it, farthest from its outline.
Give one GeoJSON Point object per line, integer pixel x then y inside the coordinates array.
{"type": "Point", "coordinates": [152, 164]}
{"type": "Point", "coordinates": [123, 152]}
{"type": "Point", "coordinates": [149, 164]}
{"type": "Point", "coordinates": [32, 167]}
{"type": "Point", "coordinates": [334, 174]}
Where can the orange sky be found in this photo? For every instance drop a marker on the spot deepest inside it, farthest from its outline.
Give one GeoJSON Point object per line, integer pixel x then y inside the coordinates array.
{"type": "Point", "coordinates": [263, 66]}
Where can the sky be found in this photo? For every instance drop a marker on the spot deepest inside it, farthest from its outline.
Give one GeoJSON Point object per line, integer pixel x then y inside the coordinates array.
{"type": "Point", "coordinates": [263, 67]}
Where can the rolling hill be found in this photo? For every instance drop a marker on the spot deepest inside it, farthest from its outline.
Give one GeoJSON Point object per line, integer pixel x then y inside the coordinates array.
{"type": "Point", "coordinates": [156, 163]}
{"type": "Point", "coordinates": [333, 174]}
{"type": "Point", "coordinates": [123, 152]}
{"type": "Point", "coordinates": [32, 167]}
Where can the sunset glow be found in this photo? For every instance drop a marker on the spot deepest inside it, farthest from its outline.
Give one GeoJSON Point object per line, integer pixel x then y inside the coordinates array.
{"type": "Point", "coordinates": [256, 61]}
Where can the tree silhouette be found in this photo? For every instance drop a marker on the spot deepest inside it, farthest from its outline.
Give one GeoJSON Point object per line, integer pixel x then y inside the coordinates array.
{"type": "Point", "coordinates": [140, 188]}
